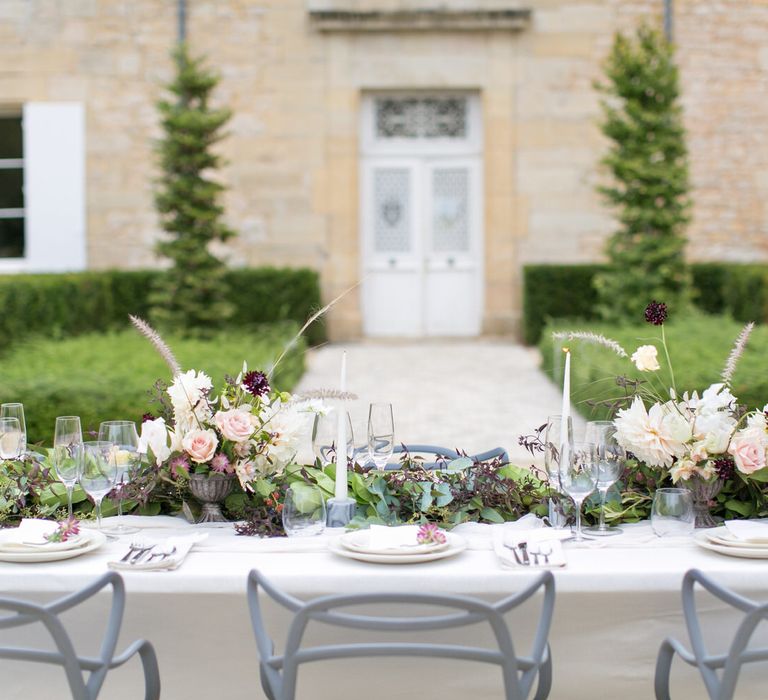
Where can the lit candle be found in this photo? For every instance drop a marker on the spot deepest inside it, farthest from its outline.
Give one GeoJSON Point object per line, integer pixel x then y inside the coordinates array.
{"type": "Point", "coordinates": [566, 412]}
{"type": "Point", "coordinates": [341, 437]}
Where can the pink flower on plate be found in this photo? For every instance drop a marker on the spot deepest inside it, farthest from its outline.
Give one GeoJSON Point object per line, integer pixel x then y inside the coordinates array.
{"type": "Point", "coordinates": [748, 450]}
{"type": "Point", "coordinates": [200, 445]}
{"type": "Point", "coordinates": [430, 534]}
{"type": "Point", "coordinates": [236, 424]}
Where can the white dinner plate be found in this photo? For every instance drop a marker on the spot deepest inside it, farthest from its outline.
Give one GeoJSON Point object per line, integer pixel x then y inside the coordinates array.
{"type": "Point", "coordinates": [93, 540]}
{"type": "Point", "coordinates": [701, 539]}
{"type": "Point", "coordinates": [456, 544]}
{"type": "Point", "coordinates": [721, 535]}
{"type": "Point", "coordinates": [359, 541]}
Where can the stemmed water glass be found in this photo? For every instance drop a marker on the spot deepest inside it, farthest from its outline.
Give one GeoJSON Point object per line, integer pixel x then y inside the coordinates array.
{"type": "Point", "coordinates": [611, 458]}
{"type": "Point", "coordinates": [67, 457]}
{"type": "Point", "coordinates": [325, 432]}
{"type": "Point", "coordinates": [123, 436]}
{"type": "Point", "coordinates": [578, 477]}
{"type": "Point", "coordinates": [99, 472]}
{"type": "Point", "coordinates": [558, 444]}
{"type": "Point", "coordinates": [381, 434]}
{"type": "Point", "coordinates": [11, 438]}
{"type": "Point", "coordinates": [16, 410]}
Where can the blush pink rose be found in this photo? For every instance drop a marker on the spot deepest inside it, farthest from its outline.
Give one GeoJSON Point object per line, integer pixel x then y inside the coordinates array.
{"type": "Point", "coordinates": [235, 425]}
{"type": "Point", "coordinates": [200, 445]}
{"type": "Point", "coordinates": [748, 452]}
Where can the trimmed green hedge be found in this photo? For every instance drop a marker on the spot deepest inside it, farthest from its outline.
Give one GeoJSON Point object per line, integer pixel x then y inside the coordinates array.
{"type": "Point", "coordinates": [566, 291]}
{"type": "Point", "coordinates": [64, 305]}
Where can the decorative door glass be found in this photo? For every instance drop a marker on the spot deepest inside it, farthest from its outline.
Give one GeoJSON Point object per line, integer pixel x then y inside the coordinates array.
{"type": "Point", "coordinates": [450, 210]}
{"type": "Point", "coordinates": [421, 117]}
{"type": "Point", "coordinates": [392, 210]}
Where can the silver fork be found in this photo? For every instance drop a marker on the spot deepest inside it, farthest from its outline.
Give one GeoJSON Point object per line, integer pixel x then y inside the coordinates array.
{"type": "Point", "coordinates": [520, 553]}
{"type": "Point", "coordinates": [133, 547]}
{"type": "Point", "coordinates": [162, 554]}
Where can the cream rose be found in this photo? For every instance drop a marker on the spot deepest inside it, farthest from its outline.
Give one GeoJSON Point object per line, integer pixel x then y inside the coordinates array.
{"type": "Point", "coordinates": [200, 445]}
{"type": "Point", "coordinates": [236, 424]}
{"type": "Point", "coordinates": [748, 451]}
{"type": "Point", "coordinates": [646, 358]}
{"type": "Point", "coordinates": [154, 436]}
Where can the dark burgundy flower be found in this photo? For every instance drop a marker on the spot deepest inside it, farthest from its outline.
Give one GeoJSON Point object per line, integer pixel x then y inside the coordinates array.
{"type": "Point", "coordinates": [146, 417]}
{"type": "Point", "coordinates": [725, 467]}
{"type": "Point", "coordinates": [256, 383]}
{"type": "Point", "coordinates": [656, 313]}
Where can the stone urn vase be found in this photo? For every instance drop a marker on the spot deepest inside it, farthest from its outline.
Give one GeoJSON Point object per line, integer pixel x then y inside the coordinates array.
{"type": "Point", "coordinates": [703, 492]}
{"type": "Point", "coordinates": [211, 491]}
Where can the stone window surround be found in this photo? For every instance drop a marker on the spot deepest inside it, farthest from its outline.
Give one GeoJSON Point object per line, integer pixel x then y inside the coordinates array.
{"type": "Point", "coordinates": [514, 18]}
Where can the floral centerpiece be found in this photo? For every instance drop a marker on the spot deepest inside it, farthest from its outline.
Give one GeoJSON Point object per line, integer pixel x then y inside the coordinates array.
{"type": "Point", "coordinates": [700, 441]}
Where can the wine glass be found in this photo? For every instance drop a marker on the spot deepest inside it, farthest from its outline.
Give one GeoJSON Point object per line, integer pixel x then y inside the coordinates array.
{"type": "Point", "coordinates": [611, 458]}
{"type": "Point", "coordinates": [381, 434]}
{"type": "Point", "coordinates": [67, 460]}
{"type": "Point", "coordinates": [122, 434]}
{"type": "Point", "coordinates": [98, 473]}
{"type": "Point", "coordinates": [11, 438]}
{"type": "Point", "coordinates": [303, 511]}
{"type": "Point", "coordinates": [16, 410]}
{"type": "Point", "coordinates": [578, 477]}
{"type": "Point", "coordinates": [672, 512]}
{"type": "Point", "coordinates": [325, 433]}
{"type": "Point", "coordinates": [556, 443]}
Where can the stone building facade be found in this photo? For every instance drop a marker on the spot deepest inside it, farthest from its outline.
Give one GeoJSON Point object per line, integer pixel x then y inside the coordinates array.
{"type": "Point", "coordinates": [425, 149]}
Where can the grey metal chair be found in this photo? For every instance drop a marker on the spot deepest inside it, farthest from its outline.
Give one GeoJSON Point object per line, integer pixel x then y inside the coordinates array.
{"type": "Point", "coordinates": [279, 671]}
{"type": "Point", "coordinates": [445, 455]}
{"type": "Point", "coordinates": [17, 613]}
{"type": "Point", "coordinates": [728, 665]}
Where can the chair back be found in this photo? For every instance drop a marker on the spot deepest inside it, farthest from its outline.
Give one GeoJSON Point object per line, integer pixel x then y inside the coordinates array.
{"type": "Point", "coordinates": [279, 672]}
{"type": "Point", "coordinates": [17, 613]}
{"type": "Point", "coordinates": [444, 455]}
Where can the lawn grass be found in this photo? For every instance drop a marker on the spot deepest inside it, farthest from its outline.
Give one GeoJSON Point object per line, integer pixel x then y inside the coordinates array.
{"type": "Point", "coordinates": [108, 376]}
{"type": "Point", "coordinates": [699, 346]}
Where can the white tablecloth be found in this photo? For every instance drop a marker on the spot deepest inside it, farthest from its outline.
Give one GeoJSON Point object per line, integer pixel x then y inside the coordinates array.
{"type": "Point", "coordinates": [615, 603]}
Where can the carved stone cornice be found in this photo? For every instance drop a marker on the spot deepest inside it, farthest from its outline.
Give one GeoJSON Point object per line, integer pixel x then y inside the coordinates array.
{"type": "Point", "coordinates": [513, 19]}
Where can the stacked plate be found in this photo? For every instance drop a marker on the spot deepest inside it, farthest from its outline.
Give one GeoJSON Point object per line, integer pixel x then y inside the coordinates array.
{"type": "Point", "coordinates": [738, 538]}
{"type": "Point", "coordinates": [377, 548]}
{"type": "Point", "coordinates": [26, 544]}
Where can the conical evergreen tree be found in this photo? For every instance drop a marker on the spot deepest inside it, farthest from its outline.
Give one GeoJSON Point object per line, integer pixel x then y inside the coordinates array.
{"type": "Point", "coordinates": [190, 297]}
{"type": "Point", "coordinates": [648, 161]}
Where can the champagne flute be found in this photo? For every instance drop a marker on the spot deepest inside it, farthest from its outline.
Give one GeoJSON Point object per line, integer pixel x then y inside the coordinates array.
{"type": "Point", "coordinates": [324, 436]}
{"type": "Point", "coordinates": [611, 458]}
{"type": "Point", "coordinates": [381, 434]}
{"type": "Point", "coordinates": [558, 445]}
{"type": "Point", "coordinates": [98, 473]}
{"type": "Point", "coordinates": [16, 410]}
{"type": "Point", "coordinates": [122, 434]}
{"type": "Point", "coordinates": [578, 477]}
{"type": "Point", "coordinates": [67, 460]}
{"type": "Point", "coordinates": [11, 438]}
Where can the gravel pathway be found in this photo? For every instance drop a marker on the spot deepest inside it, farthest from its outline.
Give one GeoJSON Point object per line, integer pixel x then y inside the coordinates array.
{"type": "Point", "coordinates": [473, 395]}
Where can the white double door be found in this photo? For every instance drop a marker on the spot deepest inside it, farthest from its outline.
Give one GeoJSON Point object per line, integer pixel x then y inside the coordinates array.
{"type": "Point", "coordinates": [422, 246]}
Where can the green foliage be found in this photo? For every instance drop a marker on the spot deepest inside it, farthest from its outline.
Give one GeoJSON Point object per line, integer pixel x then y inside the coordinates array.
{"type": "Point", "coordinates": [699, 346]}
{"type": "Point", "coordinates": [63, 305]}
{"type": "Point", "coordinates": [191, 296]}
{"type": "Point", "coordinates": [565, 291]}
{"type": "Point", "coordinates": [105, 377]}
{"type": "Point", "coordinates": [647, 159]}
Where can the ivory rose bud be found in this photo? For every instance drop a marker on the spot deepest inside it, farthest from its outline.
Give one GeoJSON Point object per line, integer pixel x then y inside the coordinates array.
{"type": "Point", "coordinates": [154, 436]}
{"type": "Point", "coordinates": [236, 424]}
{"type": "Point", "coordinates": [748, 451]}
{"type": "Point", "coordinates": [200, 445]}
{"type": "Point", "coordinates": [646, 358]}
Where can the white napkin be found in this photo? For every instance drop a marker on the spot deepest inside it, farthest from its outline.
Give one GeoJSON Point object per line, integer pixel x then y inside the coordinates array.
{"type": "Point", "coordinates": [384, 537]}
{"type": "Point", "coordinates": [30, 536]}
{"type": "Point", "coordinates": [158, 563]}
{"type": "Point", "coordinates": [544, 544]}
{"type": "Point", "coordinates": [748, 530]}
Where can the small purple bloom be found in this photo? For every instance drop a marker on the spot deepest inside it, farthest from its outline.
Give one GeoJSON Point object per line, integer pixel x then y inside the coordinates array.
{"type": "Point", "coordinates": [430, 534]}
{"type": "Point", "coordinates": [220, 463]}
{"type": "Point", "coordinates": [66, 530]}
{"type": "Point", "coordinates": [656, 313]}
{"type": "Point", "coordinates": [256, 383]}
{"type": "Point", "coordinates": [179, 464]}
{"type": "Point", "coordinates": [725, 467]}
{"type": "Point", "coordinates": [146, 417]}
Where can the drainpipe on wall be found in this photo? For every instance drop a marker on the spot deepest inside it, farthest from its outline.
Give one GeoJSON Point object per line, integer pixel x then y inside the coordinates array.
{"type": "Point", "coordinates": [668, 18]}
{"type": "Point", "coordinates": [182, 19]}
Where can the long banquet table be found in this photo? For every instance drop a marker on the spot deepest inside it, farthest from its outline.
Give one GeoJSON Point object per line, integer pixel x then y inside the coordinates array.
{"type": "Point", "coordinates": [616, 601]}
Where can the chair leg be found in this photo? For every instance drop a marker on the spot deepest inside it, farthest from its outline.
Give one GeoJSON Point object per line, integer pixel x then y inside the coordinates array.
{"type": "Point", "coordinates": [545, 678]}
{"type": "Point", "coordinates": [151, 672]}
{"type": "Point", "coordinates": [663, 669]}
